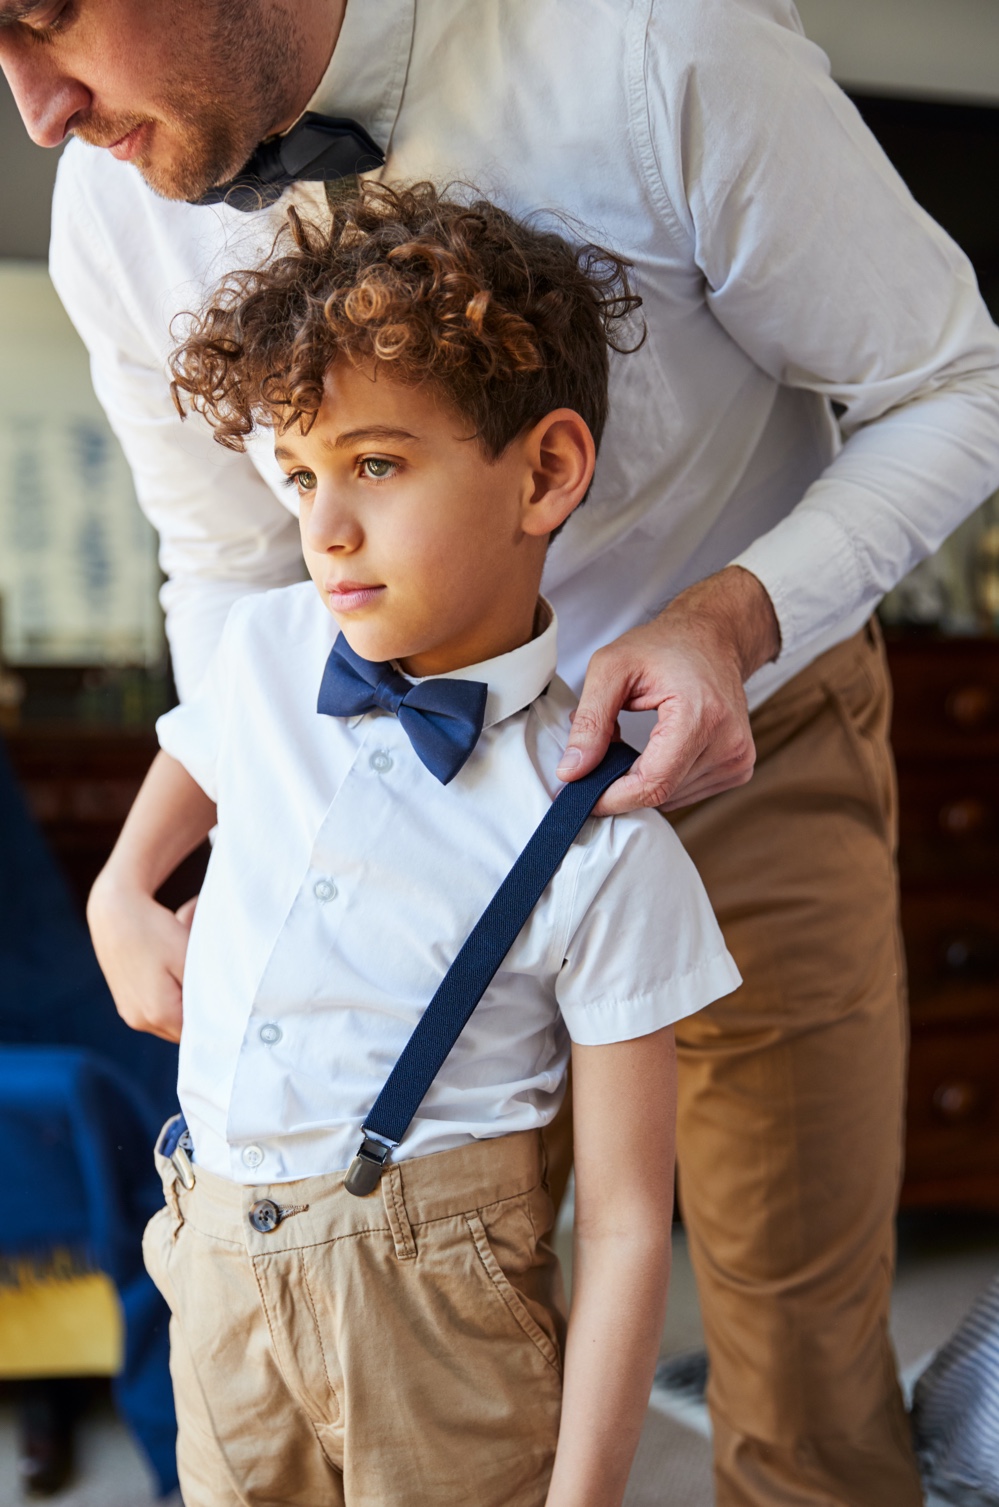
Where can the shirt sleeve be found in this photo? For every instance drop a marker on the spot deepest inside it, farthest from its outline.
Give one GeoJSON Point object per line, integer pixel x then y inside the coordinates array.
{"type": "Point", "coordinates": [644, 949]}
{"type": "Point", "coordinates": [222, 531]}
{"type": "Point", "coordinates": [819, 263]}
{"type": "Point", "coordinates": [193, 732]}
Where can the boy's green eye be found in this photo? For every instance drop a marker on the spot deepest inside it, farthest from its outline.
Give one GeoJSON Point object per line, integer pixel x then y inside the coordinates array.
{"type": "Point", "coordinates": [377, 468]}
{"type": "Point", "coordinates": [305, 481]}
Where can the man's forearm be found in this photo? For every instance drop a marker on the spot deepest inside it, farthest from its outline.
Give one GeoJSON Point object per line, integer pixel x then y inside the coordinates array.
{"type": "Point", "coordinates": [734, 606]}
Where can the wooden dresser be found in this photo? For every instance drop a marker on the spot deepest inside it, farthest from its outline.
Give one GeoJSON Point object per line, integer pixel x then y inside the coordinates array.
{"type": "Point", "coordinates": [80, 783]}
{"type": "Point", "coordinates": [946, 737]}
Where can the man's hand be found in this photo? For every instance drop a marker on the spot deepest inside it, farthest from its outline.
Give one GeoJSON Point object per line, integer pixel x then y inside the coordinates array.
{"type": "Point", "coordinates": [141, 947]}
{"type": "Point", "coordinates": [689, 665]}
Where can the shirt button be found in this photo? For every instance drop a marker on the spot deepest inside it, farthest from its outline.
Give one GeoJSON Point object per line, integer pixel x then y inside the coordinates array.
{"type": "Point", "coordinates": [252, 1156]}
{"type": "Point", "coordinates": [380, 761]}
{"type": "Point", "coordinates": [270, 1034]}
{"type": "Point", "coordinates": [324, 889]}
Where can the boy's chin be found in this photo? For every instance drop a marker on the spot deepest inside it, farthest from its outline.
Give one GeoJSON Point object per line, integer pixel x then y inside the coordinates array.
{"type": "Point", "coordinates": [376, 646]}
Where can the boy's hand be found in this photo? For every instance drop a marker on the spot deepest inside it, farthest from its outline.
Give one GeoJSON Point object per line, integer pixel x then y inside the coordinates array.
{"type": "Point", "coordinates": [141, 947]}
{"type": "Point", "coordinates": [689, 664]}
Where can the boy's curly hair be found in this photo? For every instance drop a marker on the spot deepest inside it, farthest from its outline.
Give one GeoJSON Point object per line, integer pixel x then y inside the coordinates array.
{"type": "Point", "coordinates": [508, 321]}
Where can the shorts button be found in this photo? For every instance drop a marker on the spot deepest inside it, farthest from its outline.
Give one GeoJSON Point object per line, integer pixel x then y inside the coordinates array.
{"type": "Point", "coordinates": [265, 1216]}
{"type": "Point", "coordinates": [270, 1034]}
{"type": "Point", "coordinates": [324, 889]}
{"type": "Point", "coordinates": [252, 1156]}
{"type": "Point", "coordinates": [380, 761]}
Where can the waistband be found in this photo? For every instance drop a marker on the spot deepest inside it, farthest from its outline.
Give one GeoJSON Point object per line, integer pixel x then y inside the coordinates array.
{"type": "Point", "coordinates": [315, 1210]}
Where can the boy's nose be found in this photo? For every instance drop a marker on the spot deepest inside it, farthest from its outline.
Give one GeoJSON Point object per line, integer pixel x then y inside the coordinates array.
{"type": "Point", "coordinates": [48, 100]}
{"type": "Point", "coordinates": [332, 527]}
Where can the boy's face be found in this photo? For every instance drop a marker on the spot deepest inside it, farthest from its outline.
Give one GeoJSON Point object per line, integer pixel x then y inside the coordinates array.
{"type": "Point", "coordinates": [414, 536]}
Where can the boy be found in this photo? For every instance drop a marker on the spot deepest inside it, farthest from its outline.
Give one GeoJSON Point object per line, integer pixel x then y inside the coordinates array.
{"type": "Point", "coordinates": [436, 378]}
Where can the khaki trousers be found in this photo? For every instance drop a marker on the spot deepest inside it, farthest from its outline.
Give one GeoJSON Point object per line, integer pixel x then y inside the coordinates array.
{"type": "Point", "coordinates": [400, 1349]}
{"type": "Point", "coordinates": [791, 1096]}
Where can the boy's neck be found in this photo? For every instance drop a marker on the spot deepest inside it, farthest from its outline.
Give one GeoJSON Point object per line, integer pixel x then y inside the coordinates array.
{"type": "Point", "coordinates": [475, 651]}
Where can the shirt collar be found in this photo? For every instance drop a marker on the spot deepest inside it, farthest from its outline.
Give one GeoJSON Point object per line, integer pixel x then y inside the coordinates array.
{"type": "Point", "coordinates": [367, 72]}
{"type": "Point", "coordinates": [518, 678]}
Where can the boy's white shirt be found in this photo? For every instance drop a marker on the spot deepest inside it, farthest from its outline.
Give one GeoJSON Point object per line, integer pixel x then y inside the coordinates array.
{"type": "Point", "coordinates": [345, 877]}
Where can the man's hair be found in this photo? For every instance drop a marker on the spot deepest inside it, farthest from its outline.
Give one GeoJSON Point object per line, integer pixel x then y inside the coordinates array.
{"type": "Point", "coordinates": [506, 320]}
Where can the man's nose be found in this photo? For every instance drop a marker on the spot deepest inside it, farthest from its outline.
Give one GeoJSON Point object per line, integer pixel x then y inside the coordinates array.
{"type": "Point", "coordinates": [47, 99]}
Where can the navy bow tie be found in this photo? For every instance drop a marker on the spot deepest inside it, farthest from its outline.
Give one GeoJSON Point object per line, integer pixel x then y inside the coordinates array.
{"type": "Point", "coordinates": [317, 149]}
{"type": "Point", "coordinates": [441, 718]}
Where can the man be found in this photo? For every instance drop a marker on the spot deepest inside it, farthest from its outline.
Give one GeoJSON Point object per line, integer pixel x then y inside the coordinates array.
{"type": "Point", "coordinates": [786, 275]}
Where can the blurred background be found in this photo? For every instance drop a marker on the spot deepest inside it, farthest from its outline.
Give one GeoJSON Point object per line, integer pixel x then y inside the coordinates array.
{"type": "Point", "coordinates": [83, 674]}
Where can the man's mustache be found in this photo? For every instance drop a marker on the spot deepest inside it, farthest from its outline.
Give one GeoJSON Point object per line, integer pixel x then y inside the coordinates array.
{"type": "Point", "coordinates": [104, 131]}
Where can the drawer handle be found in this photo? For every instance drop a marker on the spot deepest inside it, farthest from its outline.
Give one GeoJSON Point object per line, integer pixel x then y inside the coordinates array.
{"type": "Point", "coordinates": [971, 955]}
{"type": "Point", "coordinates": [958, 1100]}
{"type": "Point", "coordinates": [970, 706]}
{"type": "Point", "coordinates": [964, 818]}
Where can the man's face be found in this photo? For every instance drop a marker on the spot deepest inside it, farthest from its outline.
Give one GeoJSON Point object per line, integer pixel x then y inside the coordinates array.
{"type": "Point", "coordinates": [184, 91]}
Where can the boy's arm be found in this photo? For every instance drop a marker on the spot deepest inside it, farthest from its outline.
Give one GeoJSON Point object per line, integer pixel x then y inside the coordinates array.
{"type": "Point", "coordinates": [140, 944]}
{"type": "Point", "coordinates": [624, 1110]}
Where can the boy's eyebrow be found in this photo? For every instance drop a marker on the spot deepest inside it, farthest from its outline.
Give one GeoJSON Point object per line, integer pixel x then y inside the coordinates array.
{"type": "Point", "coordinates": [368, 432]}
{"type": "Point", "coordinates": [353, 437]}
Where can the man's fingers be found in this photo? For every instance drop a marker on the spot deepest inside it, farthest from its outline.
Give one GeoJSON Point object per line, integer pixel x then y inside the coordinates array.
{"type": "Point", "coordinates": [595, 718]}
{"type": "Point", "coordinates": [670, 783]}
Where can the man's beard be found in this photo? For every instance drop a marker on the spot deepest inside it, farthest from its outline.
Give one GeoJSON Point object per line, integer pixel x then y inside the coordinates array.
{"type": "Point", "coordinates": [229, 88]}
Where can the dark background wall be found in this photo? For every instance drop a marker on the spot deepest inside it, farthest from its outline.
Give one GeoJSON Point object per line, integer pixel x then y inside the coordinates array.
{"type": "Point", "coordinates": [27, 173]}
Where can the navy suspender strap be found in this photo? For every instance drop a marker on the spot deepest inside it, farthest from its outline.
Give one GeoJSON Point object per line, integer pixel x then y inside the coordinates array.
{"type": "Point", "coordinates": [472, 971]}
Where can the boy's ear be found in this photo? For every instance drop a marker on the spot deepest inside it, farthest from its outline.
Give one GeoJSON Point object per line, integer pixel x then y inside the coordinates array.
{"type": "Point", "coordinates": [561, 455]}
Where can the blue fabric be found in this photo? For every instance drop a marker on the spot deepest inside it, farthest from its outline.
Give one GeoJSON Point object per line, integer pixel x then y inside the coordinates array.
{"type": "Point", "coordinates": [487, 945]}
{"type": "Point", "coordinates": [81, 1097]}
{"type": "Point", "coordinates": [441, 718]}
{"type": "Point", "coordinates": [955, 1410]}
{"type": "Point", "coordinates": [317, 149]}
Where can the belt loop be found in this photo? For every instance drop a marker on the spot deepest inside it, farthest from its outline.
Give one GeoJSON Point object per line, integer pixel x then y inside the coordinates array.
{"type": "Point", "coordinates": [395, 1209]}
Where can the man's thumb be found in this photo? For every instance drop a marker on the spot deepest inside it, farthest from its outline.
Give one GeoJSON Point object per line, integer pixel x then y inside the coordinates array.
{"type": "Point", "coordinates": [592, 730]}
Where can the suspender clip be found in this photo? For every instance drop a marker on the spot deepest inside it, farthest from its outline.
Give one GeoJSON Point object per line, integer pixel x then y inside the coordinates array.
{"type": "Point", "coordinates": [365, 1170]}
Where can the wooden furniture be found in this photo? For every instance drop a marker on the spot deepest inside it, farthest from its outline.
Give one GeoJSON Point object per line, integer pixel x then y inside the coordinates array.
{"type": "Point", "coordinates": [79, 783]}
{"type": "Point", "coordinates": [946, 737]}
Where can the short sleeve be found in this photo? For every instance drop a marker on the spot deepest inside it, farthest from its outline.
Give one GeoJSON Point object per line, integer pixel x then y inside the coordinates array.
{"type": "Point", "coordinates": [192, 733]}
{"type": "Point", "coordinates": [644, 949]}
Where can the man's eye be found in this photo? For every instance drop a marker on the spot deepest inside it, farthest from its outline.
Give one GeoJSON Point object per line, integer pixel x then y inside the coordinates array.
{"type": "Point", "coordinates": [47, 19]}
{"type": "Point", "coordinates": [376, 468]}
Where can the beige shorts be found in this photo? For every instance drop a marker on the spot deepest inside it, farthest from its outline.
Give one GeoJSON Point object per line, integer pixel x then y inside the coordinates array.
{"type": "Point", "coordinates": [403, 1348]}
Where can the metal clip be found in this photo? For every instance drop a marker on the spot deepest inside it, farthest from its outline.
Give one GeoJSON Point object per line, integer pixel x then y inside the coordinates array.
{"type": "Point", "coordinates": [365, 1170]}
{"type": "Point", "coordinates": [181, 1159]}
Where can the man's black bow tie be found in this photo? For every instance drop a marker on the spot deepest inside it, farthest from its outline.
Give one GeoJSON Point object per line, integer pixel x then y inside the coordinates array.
{"type": "Point", "coordinates": [317, 149]}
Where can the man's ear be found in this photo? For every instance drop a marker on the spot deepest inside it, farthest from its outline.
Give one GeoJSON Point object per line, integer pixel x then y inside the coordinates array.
{"type": "Point", "coordinates": [560, 453]}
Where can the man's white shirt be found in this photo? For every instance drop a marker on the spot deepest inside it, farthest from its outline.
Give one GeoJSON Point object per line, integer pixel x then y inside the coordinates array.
{"type": "Point", "coordinates": [345, 877]}
{"type": "Point", "coordinates": [783, 264]}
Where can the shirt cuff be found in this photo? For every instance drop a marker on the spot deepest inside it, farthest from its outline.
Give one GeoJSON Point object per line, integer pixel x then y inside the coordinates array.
{"type": "Point", "coordinates": [809, 568]}
{"type": "Point", "coordinates": [599, 1025]}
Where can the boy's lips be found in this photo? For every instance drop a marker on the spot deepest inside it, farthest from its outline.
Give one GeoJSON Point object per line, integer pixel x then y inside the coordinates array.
{"type": "Point", "coordinates": [347, 596]}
